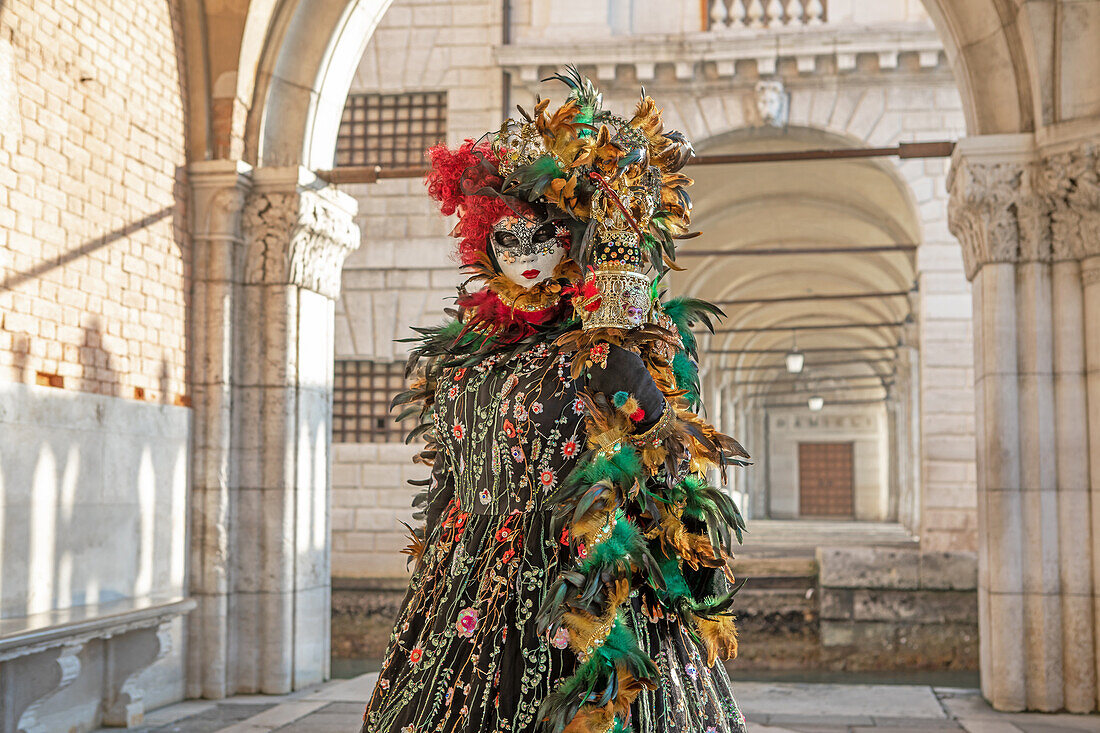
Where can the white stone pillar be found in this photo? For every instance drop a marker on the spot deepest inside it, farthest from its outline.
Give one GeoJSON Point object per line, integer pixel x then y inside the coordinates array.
{"type": "Point", "coordinates": [1069, 182]}
{"type": "Point", "coordinates": [260, 563]}
{"type": "Point", "coordinates": [298, 234]}
{"type": "Point", "coordinates": [1013, 217]}
{"type": "Point", "coordinates": [985, 189]}
{"type": "Point", "coordinates": [218, 192]}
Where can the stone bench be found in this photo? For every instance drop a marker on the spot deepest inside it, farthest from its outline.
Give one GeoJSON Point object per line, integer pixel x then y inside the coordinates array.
{"type": "Point", "coordinates": [40, 655]}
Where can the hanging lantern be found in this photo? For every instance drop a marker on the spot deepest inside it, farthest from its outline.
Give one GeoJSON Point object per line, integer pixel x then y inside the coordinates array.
{"type": "Point", "coordinates": [795, 360]}
{"type": "Point", "coordinates": [815, 403]}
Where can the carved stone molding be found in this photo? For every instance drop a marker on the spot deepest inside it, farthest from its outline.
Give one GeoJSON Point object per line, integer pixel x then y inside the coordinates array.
{"type": "Point", "coordinates": [127, 657]}
{"type": "Point", "coordinates": [997, 214]}
{"type": "Point", "coordinates": [298, 238]}
{"type": "Point", "coordinates": [1071, 182]}
{"type": "Point", "coordinates": [32, 681]}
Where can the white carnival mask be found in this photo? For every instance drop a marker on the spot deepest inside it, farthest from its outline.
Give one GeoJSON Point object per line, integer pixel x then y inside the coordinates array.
{"type": "Point", "coordinates": [527, 250]}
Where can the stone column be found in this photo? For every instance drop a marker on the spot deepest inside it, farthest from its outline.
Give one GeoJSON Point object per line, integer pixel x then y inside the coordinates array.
{"type": "Point", "coordinates": [298, 234]}
{"type": "Point", "coordinates": [1032, 503]}
{"type": "Point", "coordinates": [1069, 181]}
{"type": "Point", "coordinates": [266, 280]}
{"type": "Point", "coordinates": [218, 192]}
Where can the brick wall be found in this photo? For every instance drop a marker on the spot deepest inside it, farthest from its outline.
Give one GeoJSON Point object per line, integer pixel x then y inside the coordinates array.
{"type": "Point", "coordinates": [370, 499]}
{"type": "Point", "coordinates": [93, 247]}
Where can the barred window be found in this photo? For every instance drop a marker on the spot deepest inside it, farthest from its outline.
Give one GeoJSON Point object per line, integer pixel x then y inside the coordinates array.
{"type": "Point", "coordinates": [361, 396]}
{"type": "Point", "coordinates": [391, 130]}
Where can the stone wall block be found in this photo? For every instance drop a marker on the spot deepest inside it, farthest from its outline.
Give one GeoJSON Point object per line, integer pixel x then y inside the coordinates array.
{"type": "Point", "coordinates": [915, 606]}
{"type": "Point", "coordinates": [868, 567]}
{"type": "Point", "coordinates": [835, 603]}
{"type": "Point", "coordinates": [949, 570]}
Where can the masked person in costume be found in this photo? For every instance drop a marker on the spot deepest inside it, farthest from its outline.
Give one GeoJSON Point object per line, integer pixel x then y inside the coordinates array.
{"type": "Point", "coordinates": [572, 573]}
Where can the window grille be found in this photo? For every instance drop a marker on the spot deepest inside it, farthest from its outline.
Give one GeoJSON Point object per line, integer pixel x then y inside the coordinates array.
{"type": "Point", "coordinates": [361, 396]}
{"type": "Point", "coordinates": [391, 130]}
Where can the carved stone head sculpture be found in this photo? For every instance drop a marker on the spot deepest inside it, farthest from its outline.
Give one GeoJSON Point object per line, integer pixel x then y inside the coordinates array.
{"type": "Point", "coordinates": [772, 103]}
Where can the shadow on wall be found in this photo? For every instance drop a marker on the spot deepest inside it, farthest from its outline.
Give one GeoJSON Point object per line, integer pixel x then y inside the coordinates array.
{"type": "Point", "coordinates": [14, 280]}
{"type": "Point", "coordinates": [92, 493]}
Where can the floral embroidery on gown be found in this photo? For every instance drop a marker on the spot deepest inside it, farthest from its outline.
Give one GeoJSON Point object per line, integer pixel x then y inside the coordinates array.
{"type": "Point", "coordinates": [465, 654]}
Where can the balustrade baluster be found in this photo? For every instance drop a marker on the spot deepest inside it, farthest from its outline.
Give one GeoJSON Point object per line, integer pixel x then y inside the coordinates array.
{"type": "Point", "coordinates": [719, 15]}
{"type": "Point", "coordinates": [814, 12]}
{"type": "Point", "coordinates": [737, 14]}
{"type": "Point", "coordinates": [796, 12]}
{"type": "Point", "coordinates": [774, 13]}
{"type": "Point", "coordinates": [755, 14]}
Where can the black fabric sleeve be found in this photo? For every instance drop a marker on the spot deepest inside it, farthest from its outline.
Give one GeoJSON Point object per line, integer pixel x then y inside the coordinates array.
{"type": "Point", "coordinates": [625, 371]}
{"type": "Point", "coordinates": [440, 492]}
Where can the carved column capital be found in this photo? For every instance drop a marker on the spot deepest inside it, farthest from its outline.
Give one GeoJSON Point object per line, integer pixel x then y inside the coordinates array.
{"type": "Point", "coordinates": [299, 235]}
{"type": "Point", "coordinates": [1071, 182]}
{"type": "Point", "coordinates": [997, 213]}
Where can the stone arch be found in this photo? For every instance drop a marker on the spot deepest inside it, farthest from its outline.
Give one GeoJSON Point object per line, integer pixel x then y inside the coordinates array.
{"type": "Point", "coordinates": [304, 73]}
{"type": "Point", "coordinates": [1020, 66]}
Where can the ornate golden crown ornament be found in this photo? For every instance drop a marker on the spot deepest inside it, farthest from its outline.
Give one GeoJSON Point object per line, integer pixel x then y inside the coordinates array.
{"type": "Point", "coordinates": [618, 179]}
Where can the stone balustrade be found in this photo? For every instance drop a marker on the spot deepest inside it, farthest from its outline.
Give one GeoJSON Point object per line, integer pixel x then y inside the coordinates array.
{"type": "Point", "coordinates": [726, 15]}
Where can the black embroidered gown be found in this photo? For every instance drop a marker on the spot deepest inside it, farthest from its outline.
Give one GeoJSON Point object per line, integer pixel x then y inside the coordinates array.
{"type": "Point", "coordinates": [465, 656]}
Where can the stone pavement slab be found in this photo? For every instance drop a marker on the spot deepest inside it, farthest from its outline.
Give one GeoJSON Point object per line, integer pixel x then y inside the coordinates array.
{"type": "Point", "coordinates": [857, 702]}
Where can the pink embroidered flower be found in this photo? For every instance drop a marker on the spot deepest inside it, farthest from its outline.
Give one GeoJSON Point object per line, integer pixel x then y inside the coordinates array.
{"type": "Point", "coordinates": [536, 408]}
{"type": "Point", "coordinates": [517, 454]}
{"type": "Point", "coordinates": [458, 431]}
{"type": "Point", "coordinates": [547, 478]}
{"type": "Point", "coordinates": [504, 534]}
{"type": "Point", "coordinates": [416, 654]}
{"type": "Point", "coordinates": [692, 672]}
{"type": "Point", "coordinates": [569, 449]}
{"type": "Point", "coordinates": [520, 412]}
{"type": "Point", "coordinates": [578, 406]}
{"type": "Point", "coordinates": [467, 622]}
{"type": "Point", "coordinates": [452, 392]}
{"type": "Point", "coordinates": [582, 551]}
{"type": "Point", "coordinates": [561, 639]}
{"type": "Point", "coordinates": [384, 683]}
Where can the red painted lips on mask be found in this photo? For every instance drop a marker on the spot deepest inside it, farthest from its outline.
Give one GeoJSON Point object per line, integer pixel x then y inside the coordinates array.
{"type": "Point", "coordinates": [530, 274]}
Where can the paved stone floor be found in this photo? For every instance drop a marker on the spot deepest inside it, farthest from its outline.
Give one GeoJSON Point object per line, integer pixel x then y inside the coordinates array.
{"type": "Point", "coordinates": [771, 707]}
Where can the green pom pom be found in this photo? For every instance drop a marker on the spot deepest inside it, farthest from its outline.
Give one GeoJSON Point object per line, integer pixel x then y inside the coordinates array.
{"type": "Point", "coordinates": [619, 398]}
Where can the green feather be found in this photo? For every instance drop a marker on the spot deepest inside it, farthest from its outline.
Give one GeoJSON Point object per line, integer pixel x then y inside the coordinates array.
{"type": "Point", "coordinates": [625, 542]}
{"type": "Point", "coordinates": [687, 376]}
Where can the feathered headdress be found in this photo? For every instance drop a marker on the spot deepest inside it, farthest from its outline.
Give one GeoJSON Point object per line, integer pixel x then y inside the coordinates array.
{"type": "Point", "coordinates": [618, 181]}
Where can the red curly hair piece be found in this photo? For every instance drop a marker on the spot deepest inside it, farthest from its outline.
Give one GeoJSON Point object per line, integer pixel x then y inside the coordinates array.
{"type": "Point", "coordinates": [454, 180]}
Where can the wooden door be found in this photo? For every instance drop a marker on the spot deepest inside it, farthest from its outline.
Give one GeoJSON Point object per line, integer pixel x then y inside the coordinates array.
{"type": "Point", "coordinates": [825, 480]}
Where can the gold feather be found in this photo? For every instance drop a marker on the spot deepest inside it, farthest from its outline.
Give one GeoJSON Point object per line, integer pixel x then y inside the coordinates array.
{"type": "Point", "coordinates": [719, 637]}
